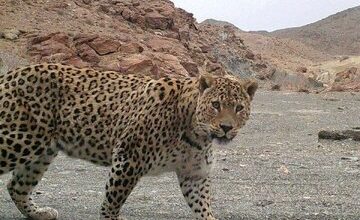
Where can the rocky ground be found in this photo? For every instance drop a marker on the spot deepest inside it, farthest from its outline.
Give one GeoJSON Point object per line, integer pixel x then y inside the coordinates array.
{"type": "Point", "coordinates": [276, 169]}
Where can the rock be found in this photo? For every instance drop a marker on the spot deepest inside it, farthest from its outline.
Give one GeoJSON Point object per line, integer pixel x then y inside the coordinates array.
{"type": "Point", "coordinates": [258, 56]}
{"type": "Point", "coordinates": [212, 67]}
{"type": "Point", "coordinates": [346, 75]}
{"type": "Point", "coordinates": [56, 58]}
{"type": "Point", "coordinates": [87, 54]}
{"type": "Point", "coordinates": [250, 55]}
{"type": "Point", "coordinates": [205, 48]}
{"type": "Point", "coordinates": [353, 159]}
{"type": "Point", "coordinates": [171, 40]}
{"type": "Point", "coordinates": [294, 81]}
{"type": "Point", "coordinates": [48, 48]}
{"type": "Point", "coordinates": [184, 34]}
{"type": "Point", "coordinates": [169, 65]}
{"type": "Point", "coordinates": [10, 34]}
{"type": "Point", "coordinates": [347, 80]}
{"type": "Point", "coordinates": [263, 203]}
{"type": "Point", "coordinates": [340, 135]}
{"type": "Point", "coordinates": [131, 47]}
{"type": "Point", "coordinates": [304, 90]}
{"type": "Point", "coordinates": [128, 15]}
{"type": "Point", "coordinates": [301, 69]}
{"type": "Point", "coordinates": [135, 63]}
{"type": "Point", "coordinates": [326, 78]}
{"type": "Point", "coordinates": [191, 68]}
{"type": "Point", "coordinates": [62, 38]}
{"type": "Point", "coordinates": [78, 62]}
{"type": "Point", "coordinates": [275, 87]}
{"type": "Point", "coordinates": [161, 44]}
{"type": "Point", "coordinates": [84, 38]}
{"type": "Point", "coordinates": [155, 20]}
{"type": "Point", "coordinates": [104, 46]}
{"type": "Point", "coordinates": [51, 47]}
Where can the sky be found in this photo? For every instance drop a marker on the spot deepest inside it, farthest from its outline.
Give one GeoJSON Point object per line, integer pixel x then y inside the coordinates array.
{"type": "Point", "coordinates": [254, 15]}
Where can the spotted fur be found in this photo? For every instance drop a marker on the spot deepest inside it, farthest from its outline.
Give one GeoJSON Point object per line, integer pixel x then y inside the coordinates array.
{"type": "Point", "coordinates": [134, 124]}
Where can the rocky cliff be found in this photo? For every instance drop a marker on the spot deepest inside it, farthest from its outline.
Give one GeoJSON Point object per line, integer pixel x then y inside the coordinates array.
{"type": "Point", "coordinates": [129, 36]}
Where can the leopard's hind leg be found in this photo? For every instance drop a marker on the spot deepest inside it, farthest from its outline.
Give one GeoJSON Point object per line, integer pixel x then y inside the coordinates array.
{"type": "Point", "coordinates": [24, 179]}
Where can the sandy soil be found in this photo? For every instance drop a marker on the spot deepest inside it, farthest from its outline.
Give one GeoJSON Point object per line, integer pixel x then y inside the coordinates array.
{"type": "Point", "coordinates": [276, 169]}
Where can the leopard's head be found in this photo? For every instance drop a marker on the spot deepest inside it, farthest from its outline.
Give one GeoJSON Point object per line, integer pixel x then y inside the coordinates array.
{"type": "Point", "coordinates": [223, 106]}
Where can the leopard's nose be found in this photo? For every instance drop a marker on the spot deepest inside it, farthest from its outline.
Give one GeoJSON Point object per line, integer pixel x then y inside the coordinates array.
{"type": "Point", "coordinates": [226, 127]}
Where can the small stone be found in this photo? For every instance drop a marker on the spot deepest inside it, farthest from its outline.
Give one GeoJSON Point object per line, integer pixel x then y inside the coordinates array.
{"type": "Point", "coordinates": [283, 169]}
{"type": "Point", "coordinates": [10, 34]}
{"type": "Point", "coordinates": [225, 169]}
{"type": "Point", "coordinates": [353, 159]}
{"type": "Point", "coordinates": [275, 87]}
{"type": "Point", "coordinates": [301, 69]}
{"type": "Point", "coordinates": [340, 135]}
{"type": "Point", "coordinates": [263, 203]}
{"type": "Point", "coordinates": [332, 99]}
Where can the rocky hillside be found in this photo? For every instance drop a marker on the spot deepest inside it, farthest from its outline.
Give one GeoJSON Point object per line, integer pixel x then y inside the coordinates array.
{"type": "Point", "coordinates": [338, 34]}
{"type": "Point", "coordinates": [129, 36]}
{"type": "Point", "coordinates": [287, 54]}
{"type": "Point", "coordinates": [304, 58]}
{"type": "Point", "coordinates": [219, 23]}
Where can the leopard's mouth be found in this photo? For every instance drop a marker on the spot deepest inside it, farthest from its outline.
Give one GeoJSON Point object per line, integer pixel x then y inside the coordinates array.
{"type": "Point", "coordinates": [221, 140]}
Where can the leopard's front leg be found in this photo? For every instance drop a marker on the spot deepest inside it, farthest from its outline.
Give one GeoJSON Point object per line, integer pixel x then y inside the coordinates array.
{"type": "Point", "coordinates": [196, 191]}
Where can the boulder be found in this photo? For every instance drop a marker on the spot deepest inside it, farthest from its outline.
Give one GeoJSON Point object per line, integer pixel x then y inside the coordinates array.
{"type": "Point", "coordinates": [346, 75]}
{"type": "Point", "coordinates": [191, 68]}
{"type": "Point", "coordinates": [294, 81]}
{"type": "Point", "coordinates": [104, 46]}
{"type": "Point", "coordinates": [169, 65]}
{"type": "Point", "coordinates": [84, 38]}
{"type": "Point", "coordinates": [155, 20]}
{"type": "Point", "coordinates": [128, 15]}
{"type": "Point", "coordinates": [160, 44]}
{"type": "Point", "coordinates": [131, 47]}
{"type": "Point", "coordinates": [212, 67]}
{"type": "Point", "coordinates": [48, 48]}
{"type": "Point", "coordinates": [54, 47]}
{"type": "Point", "coordinates": [87, 54]}
{"type": "Point", "coordinates": [135, 63]}
{"type": "Point", "coordinates": [184, 34]}
{"type": "Point", "coordinates": [347, 80]}
{"type": "Point", "coordinates": [340, 135]}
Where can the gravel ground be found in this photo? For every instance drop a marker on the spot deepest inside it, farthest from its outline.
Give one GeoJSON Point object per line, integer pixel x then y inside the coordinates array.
{"type": "Point", "coordinates": [275, 169]}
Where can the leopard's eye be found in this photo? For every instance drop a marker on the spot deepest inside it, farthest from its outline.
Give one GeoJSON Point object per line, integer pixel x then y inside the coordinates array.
{"type": "Point", "coordinates": [216, 105]}
{"type": "Point", "coordinates": [239, 108]}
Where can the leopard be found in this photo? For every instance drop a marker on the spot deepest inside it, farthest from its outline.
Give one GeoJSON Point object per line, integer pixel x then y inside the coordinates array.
{"type": "Point", "coordinates": [136, 125]}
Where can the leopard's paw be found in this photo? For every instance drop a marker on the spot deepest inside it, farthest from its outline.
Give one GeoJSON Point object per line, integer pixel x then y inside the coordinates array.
{"type": "Point", "coordinates": [45, 213]}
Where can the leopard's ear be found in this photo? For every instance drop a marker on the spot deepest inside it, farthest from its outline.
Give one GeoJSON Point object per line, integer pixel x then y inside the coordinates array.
{"type": "Point", "coordinates": [251, 86]}
{"type": "Point", "coordinates": [205, 82]}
